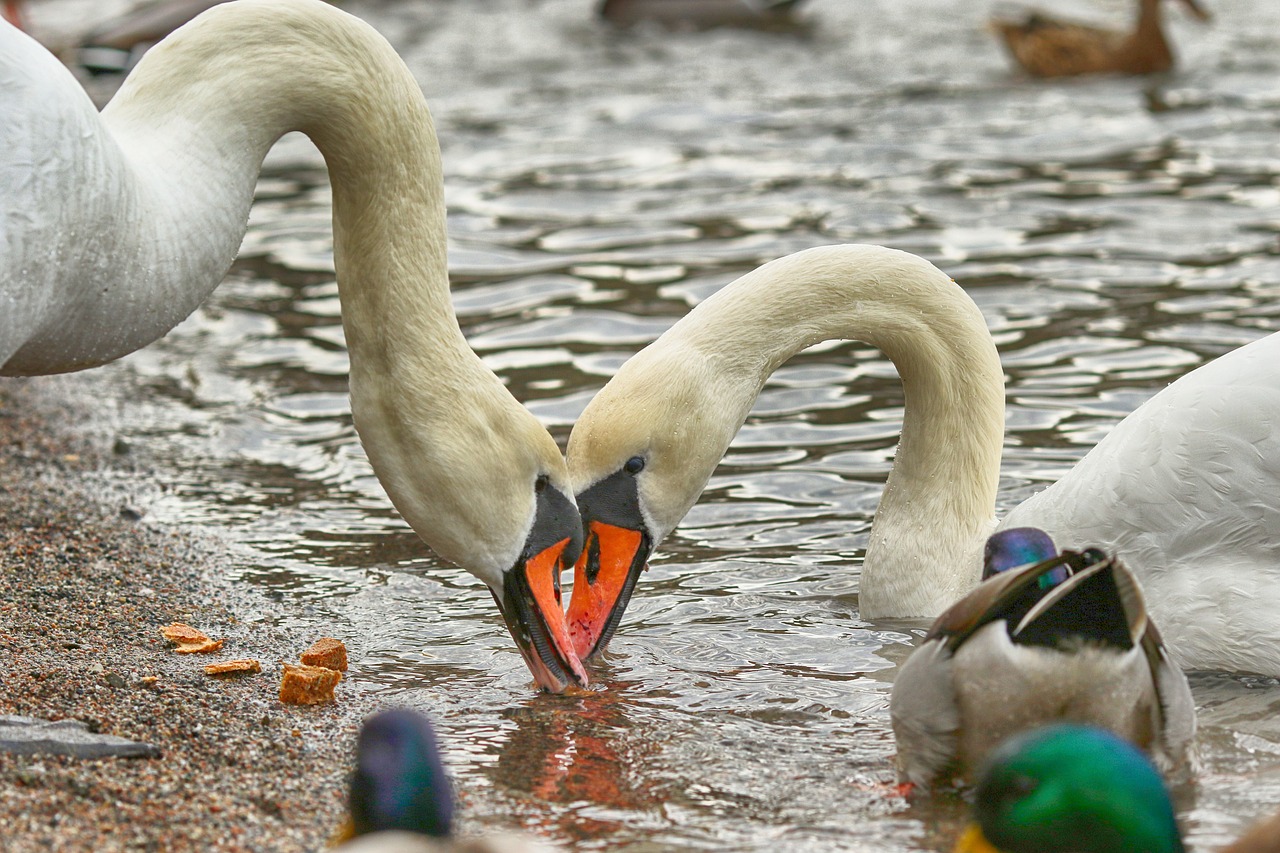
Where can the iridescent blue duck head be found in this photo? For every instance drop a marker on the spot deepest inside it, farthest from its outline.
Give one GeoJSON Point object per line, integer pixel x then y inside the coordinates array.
{"type": "Point", "coordinates": [400, 781]}
{"type": "Point", "coordinates": [1020, 546]}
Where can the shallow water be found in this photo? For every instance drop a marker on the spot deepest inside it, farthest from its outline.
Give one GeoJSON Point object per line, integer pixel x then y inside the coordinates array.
{"type": "Point", "coordinates": [1116, 234]}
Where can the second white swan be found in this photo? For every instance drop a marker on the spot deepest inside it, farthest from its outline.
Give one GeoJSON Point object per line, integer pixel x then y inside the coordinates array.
{"type": "Point", "coordinates": [1186, 490]}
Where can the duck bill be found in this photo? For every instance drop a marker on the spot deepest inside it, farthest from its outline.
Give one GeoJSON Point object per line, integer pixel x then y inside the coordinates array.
{"type": "Point", "coordinates": [973, 841]}
{"type": "Point", "coordinates": [603, 580]}
{"type": "Point", "coordinates": [532, 608]}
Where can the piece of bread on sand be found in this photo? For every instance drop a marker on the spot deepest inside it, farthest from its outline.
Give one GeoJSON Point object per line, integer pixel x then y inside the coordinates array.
{"type": "Point", "coordinates": [308, 685]}
{"type": "Point", "coordinates": [326, 652]}
{"type": "Point", "coordinates": [243, 666]}
{"type": "Point", "coordinates": [189, 640]}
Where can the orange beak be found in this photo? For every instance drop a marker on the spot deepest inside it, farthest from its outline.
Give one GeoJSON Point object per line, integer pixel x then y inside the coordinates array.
{"type": "Point", "coordinates": [532, 608]}
{"type": "Point", "coordinates": [603, 580]}
{"type": "Point", "coordinates": [529, 595]}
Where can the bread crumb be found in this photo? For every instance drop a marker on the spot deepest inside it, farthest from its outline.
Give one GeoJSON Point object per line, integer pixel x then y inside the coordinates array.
{"type": "Point", "coordinates": [199, 648]}
{"type": "Point", "coordinates": [181, 633]}
{"type": "Point", "coordinates": [243, 666]}
{"type": "Point", "coordinates": [308, 685]}
{"type": "Point", "coordinates": [189, 640]}
{"type": "Point", "coordinates": [326, 652]}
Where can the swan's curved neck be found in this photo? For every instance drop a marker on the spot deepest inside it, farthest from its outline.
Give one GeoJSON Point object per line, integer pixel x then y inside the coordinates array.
{"type": "Point", "coordinates": [229, 87]}
{"type": "Point", "coordinates": [176, 158]}
{"type": "Point", "coordinates": [939, 502]}
{"type": "Point", "coordinates": [164, 180]}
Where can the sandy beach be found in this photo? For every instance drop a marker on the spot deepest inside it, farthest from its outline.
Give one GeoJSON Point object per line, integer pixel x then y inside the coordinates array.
{"type": "Point", "coordinates": [86, 586]}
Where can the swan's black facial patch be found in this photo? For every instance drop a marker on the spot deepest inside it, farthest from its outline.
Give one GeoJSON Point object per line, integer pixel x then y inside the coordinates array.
{"type": "Point", "coordinates": [613, 500]}
{"type": "Point", "coordinates": [556, 518]}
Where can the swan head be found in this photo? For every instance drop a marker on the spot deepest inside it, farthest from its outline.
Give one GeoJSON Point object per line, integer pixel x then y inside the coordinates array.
{"type": "Point", "coordinates": [528, 591]}
{"type": "Point", "coordinates": [399, 781]}
{"type": "Point", "coordinates": [484, 485]}
{"type": "Point", "coordinates": [639, 457]}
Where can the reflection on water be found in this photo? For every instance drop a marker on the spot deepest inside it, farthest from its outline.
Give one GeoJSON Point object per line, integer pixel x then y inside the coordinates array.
{"type": "Point", "coordinates": [1115, 233]}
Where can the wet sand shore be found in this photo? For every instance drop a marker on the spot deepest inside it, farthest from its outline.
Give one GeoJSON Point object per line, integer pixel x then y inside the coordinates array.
{"type": "Point", "coordinates": [84, 585]}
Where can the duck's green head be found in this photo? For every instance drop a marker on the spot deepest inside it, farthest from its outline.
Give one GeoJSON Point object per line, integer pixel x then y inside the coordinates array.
{"type": "Point", "coordinates": [1071, 789]}
{"type": "Point", "coordinates": [400, 781]}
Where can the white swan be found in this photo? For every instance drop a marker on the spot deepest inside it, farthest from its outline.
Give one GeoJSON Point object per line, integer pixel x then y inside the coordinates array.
{"type": "Point", "coordinates": [116, 226]}
{"type": "Point", "coordinates": [1186, 490]}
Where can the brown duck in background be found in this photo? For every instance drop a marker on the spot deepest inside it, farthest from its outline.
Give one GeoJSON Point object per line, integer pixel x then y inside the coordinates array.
{"type": "Point", "coordinates": [1046, 47]}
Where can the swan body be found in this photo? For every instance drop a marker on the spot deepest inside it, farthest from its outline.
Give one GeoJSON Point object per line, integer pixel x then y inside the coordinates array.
{"type": "Point", "coordinates": [1045, 47]}
{"type": "Point", "coordinates": [1185, 491]}
{"type": "Point", "coordinates": [1066, 637]}
{"type": "Point", "coordinates": [116, 226]}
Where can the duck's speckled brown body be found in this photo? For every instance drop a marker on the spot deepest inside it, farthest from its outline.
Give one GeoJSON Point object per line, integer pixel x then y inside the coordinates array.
{"type": "Point", "coordinates": [1045, 47]}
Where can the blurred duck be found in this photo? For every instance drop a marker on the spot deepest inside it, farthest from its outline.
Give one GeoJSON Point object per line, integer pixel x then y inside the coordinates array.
{"type": "Point", "coordinates": [11, 11]}
{"type": "Point", "coordinates": [400, 797]}
{"type": "Point", "coordinates": [703, 14]}
{"type": "Point", "coordinates": [118, 44]}
{"type": "Point", "coordinates": [1063, 637]}
{"type": "Point", "coordinates": [1046, 47]}
{"type": "Point", "coordinates": [1078, 789]}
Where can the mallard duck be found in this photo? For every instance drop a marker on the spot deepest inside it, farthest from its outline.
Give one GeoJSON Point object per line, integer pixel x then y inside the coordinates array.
{"type": "Point", "coordinates": [1046, 47]}
{"type": "Point", "coordinates": [702, 14]}
{"type": "Point", "coordinates": [1185, 490]}
{"type": "Point", "coordinates": [118, 225]}
{"type": "Point", "coordinates": [1079, 789]}
{"type": "Point", "coordinates": [1066, 637]}
{"type": "Point", "coordinates": [400, 797]}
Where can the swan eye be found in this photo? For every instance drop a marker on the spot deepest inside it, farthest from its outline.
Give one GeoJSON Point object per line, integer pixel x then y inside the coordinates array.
{"type": "Point", "coordinates": [540, 484]}
{"type": "Point", "coordinates": [634, 465]}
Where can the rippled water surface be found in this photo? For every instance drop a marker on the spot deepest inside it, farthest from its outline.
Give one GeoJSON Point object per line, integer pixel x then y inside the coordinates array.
{"type": "Point", "coordinates": [1116, 233]}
